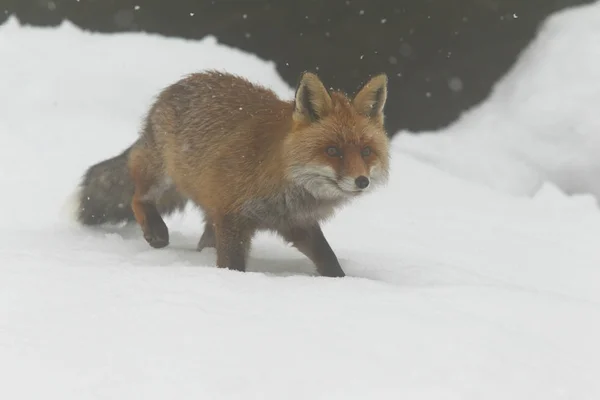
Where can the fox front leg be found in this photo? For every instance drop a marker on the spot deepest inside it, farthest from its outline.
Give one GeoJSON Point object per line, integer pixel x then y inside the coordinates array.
{"type": "Point", "coordinates": [233, 236]}
{"type": "Point", "coordinates": [311, 242]}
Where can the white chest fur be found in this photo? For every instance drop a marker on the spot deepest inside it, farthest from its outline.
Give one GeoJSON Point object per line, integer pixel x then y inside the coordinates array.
{"type": "Point", "coordinates": [293, 207]}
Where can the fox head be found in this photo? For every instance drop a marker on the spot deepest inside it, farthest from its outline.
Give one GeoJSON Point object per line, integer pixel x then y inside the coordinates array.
{"type": "Point", "coordinates": [338, 147]}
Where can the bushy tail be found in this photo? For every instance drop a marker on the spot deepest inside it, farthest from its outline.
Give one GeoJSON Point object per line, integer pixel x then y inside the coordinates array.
{"type": "Point", "coordinates": [106, 191]}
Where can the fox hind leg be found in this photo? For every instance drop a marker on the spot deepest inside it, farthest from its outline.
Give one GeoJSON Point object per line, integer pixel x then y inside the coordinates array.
{"type": "Point", "coordinates": [149, 185]}
{"type": "Point", "coordinates": [153, 226]}
{"type": "Point", "coordinates": [208, 238]}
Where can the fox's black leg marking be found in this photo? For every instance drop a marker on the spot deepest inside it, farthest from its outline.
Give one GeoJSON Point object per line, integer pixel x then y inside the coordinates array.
{"type": "Point", "coordinates": [208, 238]}
{"type": "Point", "coordinates": [154, 228]}
{"type": "Point", "coordinates": [312, 243]}
{"type": "Point", "coordinates": [233, 236]}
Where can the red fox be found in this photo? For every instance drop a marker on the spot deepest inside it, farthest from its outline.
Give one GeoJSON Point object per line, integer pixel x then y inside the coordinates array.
{"type": "Point", "coordinates": [249, 160]}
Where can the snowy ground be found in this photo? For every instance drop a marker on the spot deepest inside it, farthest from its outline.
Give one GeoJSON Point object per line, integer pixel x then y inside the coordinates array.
{"type": "Point", "coordinates": [455, 290]}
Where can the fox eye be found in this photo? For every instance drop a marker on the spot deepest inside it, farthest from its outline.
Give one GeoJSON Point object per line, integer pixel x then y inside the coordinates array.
{"type": "Point", "coordinates": [333, 151]}
{"type": "Point", "coordinates": [366, 151]}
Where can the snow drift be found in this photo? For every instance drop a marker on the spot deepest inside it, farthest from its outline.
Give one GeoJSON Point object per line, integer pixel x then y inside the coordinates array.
{"type": "Point", "coordinates": [540, 124]}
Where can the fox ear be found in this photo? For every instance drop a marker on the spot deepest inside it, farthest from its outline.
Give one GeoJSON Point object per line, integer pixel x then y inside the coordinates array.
{"type": "Point", "coordinates": [312, 99]}
{"type": "Point", "coordinates": [370, 100]}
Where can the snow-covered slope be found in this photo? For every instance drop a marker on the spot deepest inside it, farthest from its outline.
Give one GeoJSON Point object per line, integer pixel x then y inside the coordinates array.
{"type": "Point", "coordinates": [541, 122]}
{"type": "Point", "coordinates": [455, 291]}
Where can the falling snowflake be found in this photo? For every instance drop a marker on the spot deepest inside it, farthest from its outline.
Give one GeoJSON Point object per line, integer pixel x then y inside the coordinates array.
{"type": "Point", "coordinates": [455, 84]}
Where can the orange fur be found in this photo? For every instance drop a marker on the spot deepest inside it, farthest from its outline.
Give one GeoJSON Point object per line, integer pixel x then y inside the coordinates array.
{"type": "Point", "coordinates": [252, 161]}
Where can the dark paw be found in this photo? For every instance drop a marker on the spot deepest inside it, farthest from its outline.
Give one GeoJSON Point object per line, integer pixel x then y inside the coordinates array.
{"type": "Point", "coordinates": [207, 240]}
{"type": "Point", "coordinates": [333, 273]}
{"type": "Point", "coordinates": [157, 235]}
{"type": "Point", "coordinates": [234, 266]}
{"type": "Point", "coordinates": [157, 242]}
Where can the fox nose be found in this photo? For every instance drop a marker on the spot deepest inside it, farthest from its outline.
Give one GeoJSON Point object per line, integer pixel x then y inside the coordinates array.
{"type": "Point", "coordinates": [361, 182]}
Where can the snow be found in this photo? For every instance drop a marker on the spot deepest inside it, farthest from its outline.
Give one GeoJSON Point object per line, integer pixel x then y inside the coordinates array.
{"type": "Point", "coordinates": [455, 289]}
{"type": "Point", "coordinates": [540, 122]}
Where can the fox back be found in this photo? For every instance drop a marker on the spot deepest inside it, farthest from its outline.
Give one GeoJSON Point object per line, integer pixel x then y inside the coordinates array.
{"type": "Point", "coordinates": [235, 147]}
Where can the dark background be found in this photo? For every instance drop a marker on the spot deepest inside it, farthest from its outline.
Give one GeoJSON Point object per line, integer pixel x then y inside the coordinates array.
{"type": "Point", "coordinates": [441, 56]}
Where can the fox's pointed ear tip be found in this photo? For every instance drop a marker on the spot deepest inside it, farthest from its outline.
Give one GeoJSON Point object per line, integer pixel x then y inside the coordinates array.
{"type": "Point", "coordinates": [379, 79]}
{"type": "Point", "coordinates": [307, 74]}
{"type": "Point", "coordinates": [301, 79]}
{"type": "Point", "coordinates": [381, 76]}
